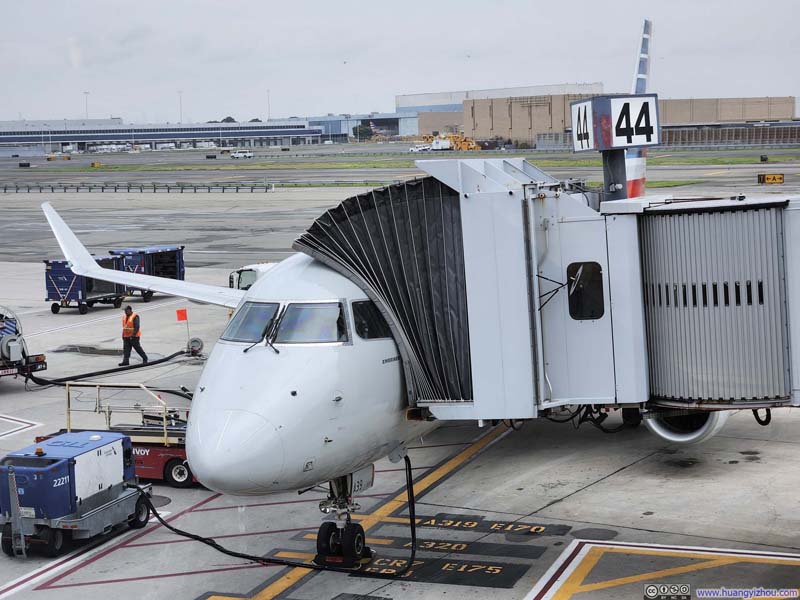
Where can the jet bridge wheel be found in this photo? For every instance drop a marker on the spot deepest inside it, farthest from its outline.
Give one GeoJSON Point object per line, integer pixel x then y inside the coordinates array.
{"type": "Point", "coordinates": [5, 540]}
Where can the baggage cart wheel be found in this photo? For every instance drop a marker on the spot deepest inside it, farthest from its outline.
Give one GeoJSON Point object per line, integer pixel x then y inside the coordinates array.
{"type": "Point", "coordinates": [117, 302]}
{"type": "Point", "coordinates": [55, 307]}
{"type": "Point", "coordinates": [5, 541]}
{"type": "Point", "coordinates": [328, 540]}
{"type": "Point", "coordinates": [55, 541]}
{"type": "Point", "coordinates": [177, 473]}
{"type": "Point", "coordinates": [140, 516]}
{"type": "Point", "coordinates": [147, 296]}
{"type": "Point", "coordinates": [82, 308]}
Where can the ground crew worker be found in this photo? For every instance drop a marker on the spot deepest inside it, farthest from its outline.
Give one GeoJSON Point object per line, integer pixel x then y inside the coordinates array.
{"type": "Point", "coordinates": [130, 336]}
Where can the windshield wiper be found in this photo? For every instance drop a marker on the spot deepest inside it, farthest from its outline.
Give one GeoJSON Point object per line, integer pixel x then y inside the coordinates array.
{"type": "Point", "coordinates": [272, 332]}
{"type": "Point", "coordinates": [265, 334]}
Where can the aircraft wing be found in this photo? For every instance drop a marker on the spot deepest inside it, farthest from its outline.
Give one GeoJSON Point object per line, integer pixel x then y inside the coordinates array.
{"type": "Point", "coordinates": [82, 263]}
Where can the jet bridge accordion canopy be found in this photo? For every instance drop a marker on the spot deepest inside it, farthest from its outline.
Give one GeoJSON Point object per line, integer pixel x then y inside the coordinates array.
{"type": "Point", "coordinates": [403, 246]}
{"type": "Point", "coordinates": [715, 304]}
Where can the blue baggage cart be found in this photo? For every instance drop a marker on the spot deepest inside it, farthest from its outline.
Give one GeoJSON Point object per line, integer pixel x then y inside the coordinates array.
{"type": "Point", "coordinates": [71, 486]}
{"type": "Point", "coordinates": [65, 288]}
{"type": "Point", "coordinates": [160, 261]}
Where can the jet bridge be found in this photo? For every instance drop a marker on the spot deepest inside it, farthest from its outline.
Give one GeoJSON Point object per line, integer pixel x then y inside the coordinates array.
{"type": "Point", "coordinates": [509, 292]}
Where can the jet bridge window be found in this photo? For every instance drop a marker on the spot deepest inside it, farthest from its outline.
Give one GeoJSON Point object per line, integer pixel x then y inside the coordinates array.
{"type": "Point", "coordinates": [585, 291]}
{"type": "Point", "coordinates": [250, 323]}
{"type": "Point", "coordinates": [369, 322]}
{"type": "Point", "coordinates": [312, 324]}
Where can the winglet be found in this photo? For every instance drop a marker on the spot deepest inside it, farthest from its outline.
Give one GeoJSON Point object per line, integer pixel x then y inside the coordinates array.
{"type": "Point", "coordinates": [81, 262]}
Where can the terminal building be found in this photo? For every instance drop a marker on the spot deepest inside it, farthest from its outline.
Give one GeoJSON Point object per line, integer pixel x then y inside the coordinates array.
{"type": "Point", "coordinates": [92, 135]}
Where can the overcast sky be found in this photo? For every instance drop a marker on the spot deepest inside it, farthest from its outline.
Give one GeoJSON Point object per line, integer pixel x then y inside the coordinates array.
{"type": "Point", "coordinates": [353, 56]}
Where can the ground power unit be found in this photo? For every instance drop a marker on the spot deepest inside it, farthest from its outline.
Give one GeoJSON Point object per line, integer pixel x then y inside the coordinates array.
{"type": "Point", "coordinates": [512, 295]}
{"type": "Point", "coordinates": [71, 486]}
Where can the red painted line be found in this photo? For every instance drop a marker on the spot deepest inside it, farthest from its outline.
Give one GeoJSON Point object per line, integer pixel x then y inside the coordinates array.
{"type": "Point", "coordinates": [222, 537]}
{"type": "Point", "coordinates": [162, 576]}
{"type": "Point", "coordinates": [562, 567]}
{"type": "Point", "coordinates": [144, 532]}
{"type": "Point", "coordinates": [39, 573]}
{"type": "Point", "coordinates": [7, 418]}
{"type": "Point", "coordinates": [317, 499]}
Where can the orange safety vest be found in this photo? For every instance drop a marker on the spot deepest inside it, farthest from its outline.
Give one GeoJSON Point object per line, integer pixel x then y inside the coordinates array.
{"type": "Point", "coordinates": [127, 326]}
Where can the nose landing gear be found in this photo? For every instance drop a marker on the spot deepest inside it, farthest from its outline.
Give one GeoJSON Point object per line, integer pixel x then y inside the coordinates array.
{"type": "Point", "coordinates": [341, 543]}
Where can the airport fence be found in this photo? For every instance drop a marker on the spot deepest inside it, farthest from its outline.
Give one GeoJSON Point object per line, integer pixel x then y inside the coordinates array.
{"type": "Point", "coordinates": [173, 188]}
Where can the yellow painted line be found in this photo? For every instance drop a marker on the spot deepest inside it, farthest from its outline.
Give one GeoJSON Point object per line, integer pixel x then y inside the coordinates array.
{"type": "Point", "coordinates": [571, 586]}
{"type": "Point", "coordinates": [708, 564]}
{"type": "Point", "coordinates": [574, 583]}
{"type": "Point", "coordinates": [373, 541]}
{"type": "Point", "coordinates": [398, 520]}
{"type": "Point", "coordinates": [716, 172]}
{"type": "Point", "coordinates": [382, 514]}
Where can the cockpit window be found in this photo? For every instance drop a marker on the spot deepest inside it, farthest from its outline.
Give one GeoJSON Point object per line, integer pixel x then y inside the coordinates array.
{"type": "Point", "coordinates": [250, 323]}
{"type": "Point", "coordinates": [312, 323]}
{"type": "Point", "coordinates": [369, 322]}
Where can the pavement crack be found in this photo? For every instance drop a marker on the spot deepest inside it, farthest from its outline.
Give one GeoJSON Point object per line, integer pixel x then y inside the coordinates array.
{"type": "Point", "coordinates": [588, 485]}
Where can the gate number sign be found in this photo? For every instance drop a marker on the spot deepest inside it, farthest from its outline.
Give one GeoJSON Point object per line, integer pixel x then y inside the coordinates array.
{"type": "Point", "coordinates": [614, 122]}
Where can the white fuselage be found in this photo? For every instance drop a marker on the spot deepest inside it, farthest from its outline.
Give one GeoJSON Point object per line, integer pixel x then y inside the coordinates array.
{"type": "Point", "coordinates": [263, 421]}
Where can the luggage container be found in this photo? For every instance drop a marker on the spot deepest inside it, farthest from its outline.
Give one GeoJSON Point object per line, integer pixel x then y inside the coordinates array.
{"type": "Point", "coordinates": [65, 288]}
{"type": "Point", "coordinates": [160, 261]}
{"type": "Point", "coordinates": [73, 486]}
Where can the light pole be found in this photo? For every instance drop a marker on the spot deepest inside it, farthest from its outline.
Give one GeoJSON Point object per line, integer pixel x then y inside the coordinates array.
{"type": "Point", "coordinates": [86, 104]}
{"type": "Point", "coordinates": [180, 106]}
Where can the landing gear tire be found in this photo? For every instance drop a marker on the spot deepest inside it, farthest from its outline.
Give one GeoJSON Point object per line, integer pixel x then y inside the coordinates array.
{"type": "Point", "coordinates": [632, 417]}
{"type": "Point", "coordinates": [140, 516]}
{"type": "Point", "coordinates": [55, 307]}
{"type": "Point", "coordinates": [328, 539]}
{"type": "Point", "coordinates": [55, 541]}
{"type": "Point", "coordinates": [353, 541]}
{"type": "Point", "coordinates": [147, 296]}
{"type": "Point", "coordinates": [177, 474]}
{"type": "Point", "coordinates": [83, 309]}
{"type": "Point", "coordinates": [5, 540]}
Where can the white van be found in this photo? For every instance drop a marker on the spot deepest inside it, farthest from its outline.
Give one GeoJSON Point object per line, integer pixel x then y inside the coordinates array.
{"type": "Point", "coordinates": [241, 154]}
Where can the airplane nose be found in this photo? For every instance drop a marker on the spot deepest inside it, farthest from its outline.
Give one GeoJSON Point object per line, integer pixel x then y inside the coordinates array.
{"type": "Point", "coordinates": [236, 452]}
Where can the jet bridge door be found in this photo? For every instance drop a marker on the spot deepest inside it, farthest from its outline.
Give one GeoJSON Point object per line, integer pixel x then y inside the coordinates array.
{"type": "Point", "coordinates": [574, 302]}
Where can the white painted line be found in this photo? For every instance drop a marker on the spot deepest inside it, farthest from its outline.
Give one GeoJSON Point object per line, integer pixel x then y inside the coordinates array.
{"type": "Point", "coordinates": [23, 425]}
{"type": "Point", "coordinates": [547, 587]}
{"type": "Point", "coordinates": [37, 575]}
{"type": "Point", "coordinates": [101, 319]}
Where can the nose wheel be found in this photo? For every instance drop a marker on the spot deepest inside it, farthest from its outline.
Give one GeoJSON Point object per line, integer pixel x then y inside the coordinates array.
{"type": "Point", "coordinates": [342, 546]}
{"type": "Point", "coordinates": [341, 543]}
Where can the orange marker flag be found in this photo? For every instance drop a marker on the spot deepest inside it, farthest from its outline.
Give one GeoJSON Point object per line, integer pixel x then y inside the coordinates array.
{"type": "Point", "coordinates": [182, 314]}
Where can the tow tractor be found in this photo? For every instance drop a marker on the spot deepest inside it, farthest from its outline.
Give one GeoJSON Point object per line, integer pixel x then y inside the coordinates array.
{"type": "Point", "coordinates": [69, 487]}
{"type": "Point", "coordinates": [157, 433]}
{"type": "Point", "coordinates": [14, 357]}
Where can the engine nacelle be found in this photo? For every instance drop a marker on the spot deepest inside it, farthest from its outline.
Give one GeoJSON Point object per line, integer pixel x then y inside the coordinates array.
{"type": "Point", "coordinates": [687, 428]}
